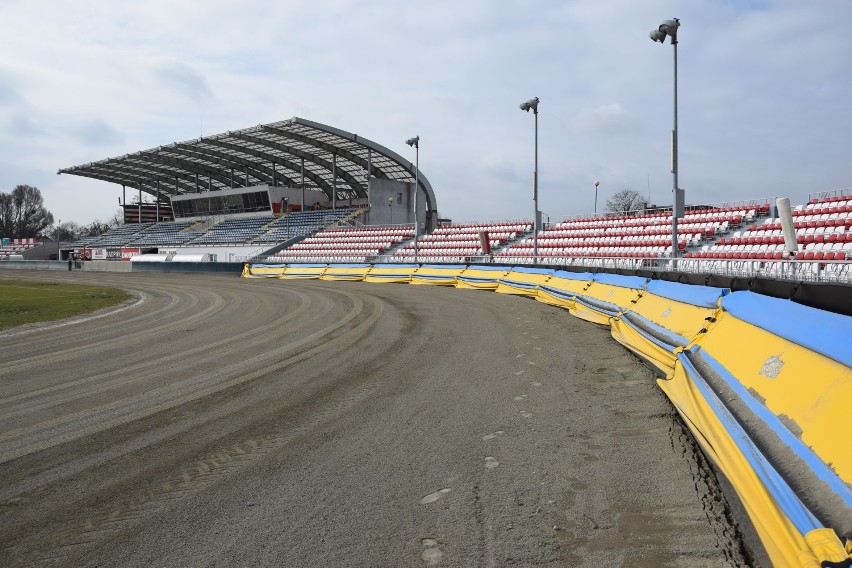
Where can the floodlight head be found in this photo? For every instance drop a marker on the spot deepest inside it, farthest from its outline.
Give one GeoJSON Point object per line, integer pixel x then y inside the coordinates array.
{"type": "Point", "coordinates": [530, 104]}
{"type": "Point", "coordinates": [657, 35]}
{"type": "Point", "coordinates": [390, 201]}
{"type": "Point", "coordinates": [414, 142]}
{"type": "Point", "coordinates": [597, 183]}
{"type": "Point", "coordinates": [670, 27]}
{"type": "Point", "coordinates": [667, 28]}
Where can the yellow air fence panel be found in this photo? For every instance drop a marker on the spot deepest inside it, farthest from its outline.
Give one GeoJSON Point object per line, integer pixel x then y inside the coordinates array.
{"type": "Point", "coordinates": [353, 272]}
{"type": "Point", "coordinates": [397, 273]}
{"type": "Point", "coordinates": [437, 274]}
{"type": "Point", "coordinates": [263, 270]}
{"type": "Point", "coordinates": [523, 281]}
{"type": "Point", "coordinates": [665, 317]}
{"type": "Point", "coordinates": [304, 271]}
{"type": "Point", "coordinates": [561, 289]}
{"type": "Point", "coordinates": [481, 277]}
{"type": "Point", "coordinates": [794, 360]}
{"type": "Point", "coordinates": [779, 376]}
{"type": "Point", "coordinates": [789, 533]}
{"type": "Point", "coordinates": [606, 296]}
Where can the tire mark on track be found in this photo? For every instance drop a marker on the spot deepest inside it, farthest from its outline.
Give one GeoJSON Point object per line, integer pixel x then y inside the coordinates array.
{"type": "Point", "coordinates": [23, 441]}
{"type": "Point", "coordinates": [102, 525]}
{"type": "Point", "coordinates": [172, 307]}
{"type": "Point", "coordinates": [95, 347]}
{"type": "Point", "coordinates": [26, 329]}
{"type": "Point", "coordinates": [109, 380]}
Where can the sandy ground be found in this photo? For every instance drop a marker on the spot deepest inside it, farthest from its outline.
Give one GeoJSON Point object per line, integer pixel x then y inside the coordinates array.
{"type": "Point", "coordinates": [230, 422]}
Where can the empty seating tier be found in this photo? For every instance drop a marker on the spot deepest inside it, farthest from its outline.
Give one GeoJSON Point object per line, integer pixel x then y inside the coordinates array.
{"type": "Point", "coordinates": [455, 243]}
{"type": "Point", "coordinates": [302, 223]}
{"type": "Point", "coordinates": [630, 236]}
{"type": "Point", "coordinates": [346, 244]}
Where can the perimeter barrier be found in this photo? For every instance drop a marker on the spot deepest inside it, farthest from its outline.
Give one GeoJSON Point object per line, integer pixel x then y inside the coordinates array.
{"type": "Point", "coordinates": [764, 384]}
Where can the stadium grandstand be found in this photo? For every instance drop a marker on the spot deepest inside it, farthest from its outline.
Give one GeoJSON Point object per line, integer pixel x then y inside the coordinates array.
{"type": "Point", "coordinates": [19, 248]}
{"type": "Point", "coordinates": [300, 191]}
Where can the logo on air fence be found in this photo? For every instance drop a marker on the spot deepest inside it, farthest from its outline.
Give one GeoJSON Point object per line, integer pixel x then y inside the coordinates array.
{"type": "Point", "coordinates": [772, 367]}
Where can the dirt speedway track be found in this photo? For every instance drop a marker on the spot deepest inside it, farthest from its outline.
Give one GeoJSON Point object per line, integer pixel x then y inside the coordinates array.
{"type": "Point", "coordinates": [221, 421]}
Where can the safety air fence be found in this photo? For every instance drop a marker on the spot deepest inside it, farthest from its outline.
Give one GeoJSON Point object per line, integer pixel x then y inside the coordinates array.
{"type": "Point", "coordinates": [764, 384]}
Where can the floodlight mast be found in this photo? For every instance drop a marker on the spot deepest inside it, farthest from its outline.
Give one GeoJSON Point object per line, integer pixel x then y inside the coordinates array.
{"type": "Point", "coordinates": [597, 183]}
{"type": "Point", "coordinates": [415, 142]}
{"type": "Point", "coordinates": [532, 104]}
{"type": "Point", "coordinates": [669, 29]}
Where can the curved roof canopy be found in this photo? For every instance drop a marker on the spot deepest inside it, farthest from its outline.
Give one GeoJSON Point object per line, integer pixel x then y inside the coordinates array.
{"type": "Point", "coordinates": [273, 154]}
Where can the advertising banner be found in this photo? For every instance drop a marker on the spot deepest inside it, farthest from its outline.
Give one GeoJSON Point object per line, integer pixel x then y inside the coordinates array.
{"type": "Point", "coordinates": [126, 253]}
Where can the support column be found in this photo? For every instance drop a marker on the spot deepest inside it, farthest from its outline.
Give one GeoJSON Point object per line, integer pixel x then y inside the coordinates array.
{"type": "Point", "coordinates": [369, 193]}
{"type": "Point", "coordinates": [334, 181]}
{"type": "Point", "coordinates": [303, 184]}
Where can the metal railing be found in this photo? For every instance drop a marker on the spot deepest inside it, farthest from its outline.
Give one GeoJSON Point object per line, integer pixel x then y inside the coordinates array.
{"type": "Point", "coordinates": [822, 195]}
{"type": "Point", "coordinates": [795, 270]}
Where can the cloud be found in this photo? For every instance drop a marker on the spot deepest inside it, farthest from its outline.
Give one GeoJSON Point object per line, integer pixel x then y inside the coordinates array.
{"type": "Point", "coordinates": [96, 133]}
{"type": "Point", "coordinates": [182, 79]}
{"type": "Point", "coordinates": [609, 119]}
{"type": "Point", "coordinates": [9, 95]}
{"type": "Point", "coordinates": [22, 126]}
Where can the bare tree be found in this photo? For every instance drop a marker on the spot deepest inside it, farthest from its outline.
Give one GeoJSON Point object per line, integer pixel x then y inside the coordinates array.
{"type": "Point", "coordinates": [22, 212]}
{"type": "Point", "coordinates": [68, 231]}
{"type": "Point", "coordinates": [95, 228]}
{"type": "Point", "coordinates": [625, 201]}
{"type": "Point", "coordinates": [117, 219]}
{"type": "Point", "coordinates": [7, 215]}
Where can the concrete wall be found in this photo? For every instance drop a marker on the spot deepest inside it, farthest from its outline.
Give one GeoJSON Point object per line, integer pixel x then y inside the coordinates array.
{"type": "Point", "coordinates": [391, 203]}
{"type": "Point", "coordinates": [33, 265]}
{"type": "Point", "coordinates": [105, 266]}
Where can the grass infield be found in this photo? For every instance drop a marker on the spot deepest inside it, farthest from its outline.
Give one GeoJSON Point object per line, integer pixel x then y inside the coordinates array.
{"type": "Point", "coordinates": [28, 302]}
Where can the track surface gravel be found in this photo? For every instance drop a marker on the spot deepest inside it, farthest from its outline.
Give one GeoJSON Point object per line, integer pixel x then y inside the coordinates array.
{"type": "Point", "coordinates": [219, 421]}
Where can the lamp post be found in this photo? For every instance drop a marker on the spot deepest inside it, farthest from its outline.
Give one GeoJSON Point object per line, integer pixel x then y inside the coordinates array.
{"type": "Point", "coordinates": [669, 29]}
{"type": "Point", "coordinates": [532, 104]}
{"type": "Point", "coordinates": [390, 208]}
{"type": "Point", "coordinates": [597, 183]}
{"type": "Point", "coordinates": [415, 142]}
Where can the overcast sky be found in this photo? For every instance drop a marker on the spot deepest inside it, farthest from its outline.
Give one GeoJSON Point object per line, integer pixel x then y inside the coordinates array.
{"type": "Point", "coordinates": [765, 92]}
